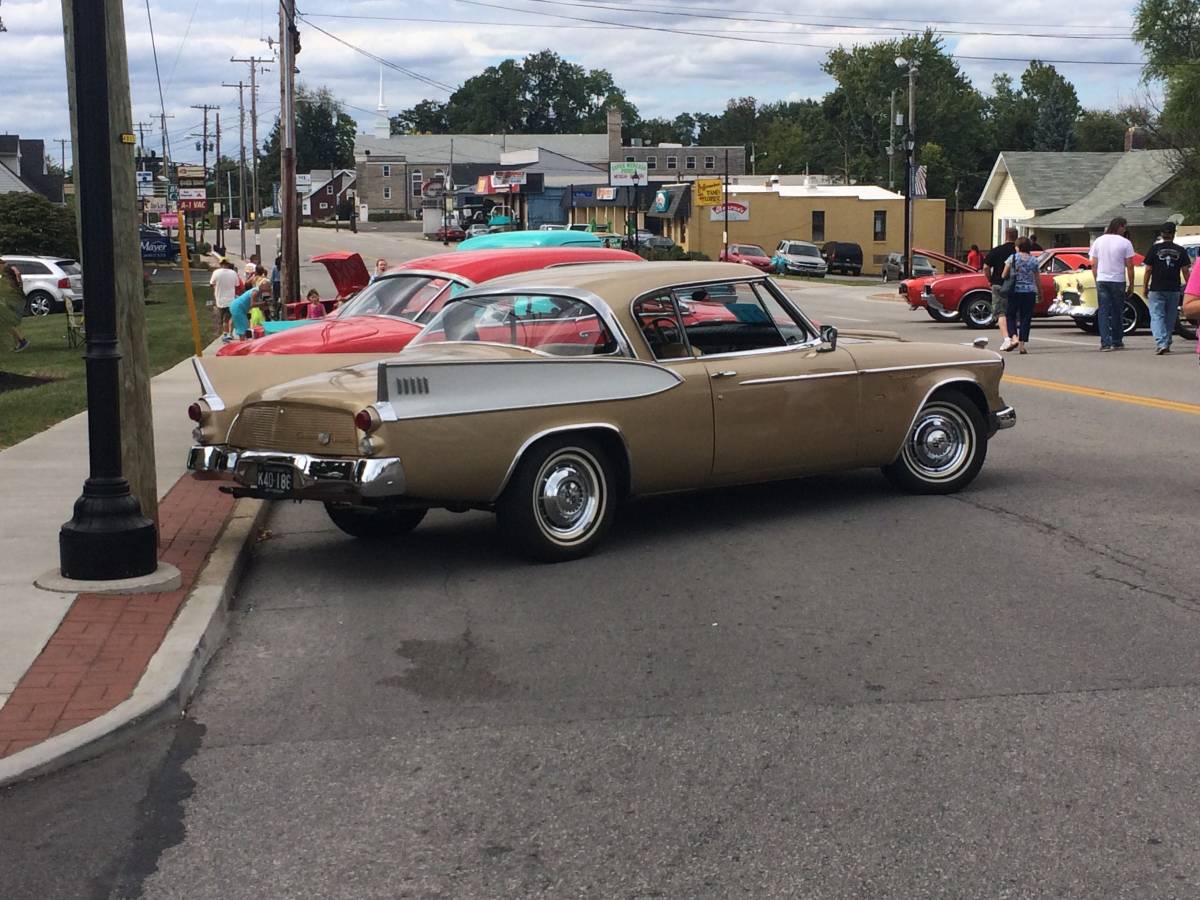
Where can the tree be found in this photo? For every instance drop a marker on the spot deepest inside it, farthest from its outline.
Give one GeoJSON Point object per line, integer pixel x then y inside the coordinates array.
{"type": "Point", "coordinates": [427, 117]}
{"type": "Point", "coordinates": [1098, 131]}
{"type": "Point", "coordinates": [1055, 105]}
{"type": "Point", "coordinates": [1169, 32]}
{"type": "Point", "coordinates": [31, 224]}
{"type": "Point", "coordinates": [320, 144]}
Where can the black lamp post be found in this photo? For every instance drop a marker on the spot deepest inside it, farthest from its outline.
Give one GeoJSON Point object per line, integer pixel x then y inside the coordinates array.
{"type": "Point", "coordinates": [637, 244]}
{"type": "Point", "coordinates": [107, 537]}
{"type": "Point", "coordinates": [909, 143]}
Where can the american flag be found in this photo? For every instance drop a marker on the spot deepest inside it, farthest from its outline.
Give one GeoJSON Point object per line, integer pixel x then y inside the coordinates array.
{"type": "Point", "coordinates": [919, 188]}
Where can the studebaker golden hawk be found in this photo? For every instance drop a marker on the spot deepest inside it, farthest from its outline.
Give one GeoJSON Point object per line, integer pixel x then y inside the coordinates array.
{"type": "Point", "coordinates": [550, 396]}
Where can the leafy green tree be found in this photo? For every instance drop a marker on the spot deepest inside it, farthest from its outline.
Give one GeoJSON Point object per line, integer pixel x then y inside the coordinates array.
{"type": "Point", "coordinates": [31, 224]}
{"type": "Point", "coordinates": [1098, 131]}
{"type": "Point", "coordinates": [320, 143]}
{"type": "Point", "coordinates": [427, 117]}
{"type": "Point", "coordinates": [1169, 32]}
{"type": "Point", "coordinates": [1055, 103]}
{"type": "Point", "coordinates": [1010, 116]}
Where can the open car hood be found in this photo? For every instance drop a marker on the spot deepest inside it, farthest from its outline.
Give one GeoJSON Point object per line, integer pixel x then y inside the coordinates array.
{"type": "Point", "coordinates": [347, 270]}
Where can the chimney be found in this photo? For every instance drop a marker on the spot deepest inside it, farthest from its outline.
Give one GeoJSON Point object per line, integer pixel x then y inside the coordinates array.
{"type": "Point", "coordinates": [1135, 138]}
{"type": "Point", "coordinates": [614, 135]}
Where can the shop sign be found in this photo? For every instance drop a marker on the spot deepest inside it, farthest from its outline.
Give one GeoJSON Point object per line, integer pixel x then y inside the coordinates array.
{"type": "Point", "coordinates": [515, 176]}
{"type": "Point", "coordinates": [606, 193]}
{"type": "Point", "coordinates": [662, 202]}
{"type": "Point", "coordinates": [708, 192]}
{"type": "Point", "coordinates": [739, 211]}
{"type": "Point", "coordinates": [627, 174]}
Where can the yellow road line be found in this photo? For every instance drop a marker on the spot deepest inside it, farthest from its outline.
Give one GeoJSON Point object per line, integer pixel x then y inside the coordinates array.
{"type": "Point", "coordinates": [1137, 399]}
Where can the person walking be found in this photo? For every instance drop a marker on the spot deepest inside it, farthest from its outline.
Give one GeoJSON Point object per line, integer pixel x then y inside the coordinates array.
{"type": "Point", "coordinates": [1023, 268]}
{"type": "Point", "coordinates": [974, 257]}
{"type": "Point", "coordinates": [224, 283]}
{"type": "Point", "coordinates": [993, 268]}
{"type": "Point", "coordinates": [1111, 258]}
{"type": "Point", "coordinates": [12, 304]}
{"type": "Point", "coordinates": [1166, 271]}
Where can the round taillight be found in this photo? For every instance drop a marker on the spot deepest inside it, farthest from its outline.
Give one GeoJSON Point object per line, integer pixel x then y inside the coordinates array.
{"type": "Point", "coordinates": [195, 412]}
{"type": "Point", "coordinates": [364, 421]}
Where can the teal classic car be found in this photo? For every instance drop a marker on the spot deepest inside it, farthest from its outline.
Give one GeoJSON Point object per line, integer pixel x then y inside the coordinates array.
{"type": "Point", "coordinates": [507, 240]}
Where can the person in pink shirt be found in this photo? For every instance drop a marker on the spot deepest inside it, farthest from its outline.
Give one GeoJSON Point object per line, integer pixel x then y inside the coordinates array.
{"type": "Point", "coordinates": [1191, 298]}
{"type": "Point", "coordinates": [315, 309]}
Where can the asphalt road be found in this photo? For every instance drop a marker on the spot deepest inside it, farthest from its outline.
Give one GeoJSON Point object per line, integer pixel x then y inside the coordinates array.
{"type": "Point", "coordinates": [821, 688]}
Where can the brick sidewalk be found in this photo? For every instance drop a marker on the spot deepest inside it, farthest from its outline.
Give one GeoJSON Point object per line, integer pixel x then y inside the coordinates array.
{"type": "Point", "coordinates": [104, 643]}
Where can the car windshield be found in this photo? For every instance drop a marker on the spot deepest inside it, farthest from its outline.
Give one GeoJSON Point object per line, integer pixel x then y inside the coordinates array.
{"type": "Point", "coordinates": [401, 296]}
{"type": "Point", "coordinates": [563, 326]}
{"type": "Point", "coordinates": [804, 250]}
{"type": "Point", "coordinates": [751, 250]}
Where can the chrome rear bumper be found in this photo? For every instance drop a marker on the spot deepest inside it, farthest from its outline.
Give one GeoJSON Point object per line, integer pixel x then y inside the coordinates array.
{"type": "Point", "coordinates": [313, 477]}
{"type": "Point", "coordinates": [1005, 417]}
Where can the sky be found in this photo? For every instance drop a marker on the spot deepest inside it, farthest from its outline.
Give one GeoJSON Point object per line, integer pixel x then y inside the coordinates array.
{"type": "Point", "coordinates": [771, 52]}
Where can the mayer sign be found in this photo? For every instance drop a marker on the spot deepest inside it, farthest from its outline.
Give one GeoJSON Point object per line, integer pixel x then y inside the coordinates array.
{"type": "Point", "coordinates": [739, 211]}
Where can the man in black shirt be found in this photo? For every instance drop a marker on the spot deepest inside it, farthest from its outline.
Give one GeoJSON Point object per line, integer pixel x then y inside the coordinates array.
{"type": "Point", "coordinates": [1165, 274]}
{"type": "Point", "coordinates": [993, 267]}
{"type": "Point", "coordinates": [1034, 246]}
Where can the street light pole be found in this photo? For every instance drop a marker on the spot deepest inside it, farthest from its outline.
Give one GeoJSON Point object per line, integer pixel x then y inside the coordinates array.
{"type": "Point", "coordinates": [909, 143]}
{"type": "Point", "coordinates": [637, 243]}
{"type": "Point", "coordinates": [107, 537]}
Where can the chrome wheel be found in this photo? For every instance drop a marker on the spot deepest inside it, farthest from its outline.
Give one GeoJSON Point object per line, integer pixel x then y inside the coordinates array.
{"type": "Point", "coordinates": [1129, 317]}
{"type": "Point", "coordinates": [40, 303]}
{"type": "Point", "coordinates": [979, 312]}
{"type": "Point", "coordinates": [938, 316]}
{"type": "Point", "coordinates": [569, 495]}
{"type": "Point", "coordinates": [940, 443]}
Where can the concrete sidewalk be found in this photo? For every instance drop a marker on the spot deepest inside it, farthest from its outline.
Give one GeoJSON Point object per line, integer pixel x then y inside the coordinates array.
{"type": "Point", "coordinates": [40, 479]}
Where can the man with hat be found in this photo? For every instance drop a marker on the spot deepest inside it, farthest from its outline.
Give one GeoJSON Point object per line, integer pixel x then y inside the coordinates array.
{"type": "Point", "coordinates": [1162, 283]}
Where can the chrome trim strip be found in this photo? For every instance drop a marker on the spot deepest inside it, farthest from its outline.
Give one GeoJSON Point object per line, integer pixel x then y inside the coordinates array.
{"type": "Point", "coordinates": [963, 362]}
{"type": "Point", "coordinates": [558, 429]}
{"type": "Point", "coordinates": [783, 378]}
{"type": "Point", "coordinates": [368, 477]}
{"type": "Point", "coordinates": [210, 395]}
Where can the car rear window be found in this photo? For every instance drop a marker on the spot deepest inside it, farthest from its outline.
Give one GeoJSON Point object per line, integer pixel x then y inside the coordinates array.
{"type": "Point", "coordinates": [69, 266]}
{"type": "Point", "coordinates": [751, 250]}
{"type": "Point", "coordinates": [562, 326]}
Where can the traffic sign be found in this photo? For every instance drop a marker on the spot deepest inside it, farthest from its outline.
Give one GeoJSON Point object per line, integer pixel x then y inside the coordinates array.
{"type": "Point", "coordinates": [172, 193]}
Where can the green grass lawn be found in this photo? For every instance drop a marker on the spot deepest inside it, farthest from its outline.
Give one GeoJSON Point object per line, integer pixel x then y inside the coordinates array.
{"type": "Point", "coordinates": [27, 411]}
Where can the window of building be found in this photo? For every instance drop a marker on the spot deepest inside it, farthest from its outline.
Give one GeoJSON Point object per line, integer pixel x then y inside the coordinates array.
{"type": "Point", "coordinates": [672, 162]}
{"type": "Point", "coordinates": [387, 192]}
{"type": "Point", "coordinates": [629, 159]}
{"type": "Point", "coordinates": [416, 182]}
{"type": "Point", "coordinates": [710, 162]}
{"type": "Point", "coordinates": [690, 162]}
{"type": "Point", "coordinates": [880, 225]}
{"type": "Point", "coordinates": [387, 171]}
{"type": "Point", "coordinates": [329, 188]}
{"type": "Point", "coordinates": [818, 225]}
{"type": "Point", "coordinates": [651, 162]}
{"type": "Point", "coordinates": [322, 205]}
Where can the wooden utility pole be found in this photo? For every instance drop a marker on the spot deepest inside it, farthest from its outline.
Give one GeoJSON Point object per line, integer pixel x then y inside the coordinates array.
{"type": "Point", "coordinates": [241, 86]}
{"type": "Point", "coordinates": [204, 163]}
{"type": "Point", "coordinates": [217, 191]}
{"type": "Point", "coordinates": [289, 39]}
{"type": "Point", "coordinates": [256, 63]}
{"type": "Point", "coordinates": [136, 419]}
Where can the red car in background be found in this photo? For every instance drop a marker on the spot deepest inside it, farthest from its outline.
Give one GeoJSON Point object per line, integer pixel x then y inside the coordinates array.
{"type": "Point", "coordinates": [910, 288]}
{"type": "Point", "coordinates": [390, 311]}
{"type": "Point", "coordinates": [748, 254]}
{"type": "Point", "coordinates": [968, 298]}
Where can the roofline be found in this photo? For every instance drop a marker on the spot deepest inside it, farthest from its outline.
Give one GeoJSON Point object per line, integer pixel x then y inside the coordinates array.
{"type": "Point", "coordinates": [979, 204]}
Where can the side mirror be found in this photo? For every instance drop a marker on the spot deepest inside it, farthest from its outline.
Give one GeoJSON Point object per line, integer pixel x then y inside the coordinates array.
{"type": "Point", "coordinates": [828, 336]}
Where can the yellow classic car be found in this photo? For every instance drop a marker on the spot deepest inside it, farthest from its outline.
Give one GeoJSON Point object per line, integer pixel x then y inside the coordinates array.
{"type": "Point", "coordinates": [1075, 296]}
{"type": "Point", "coordinates": [550, 396]}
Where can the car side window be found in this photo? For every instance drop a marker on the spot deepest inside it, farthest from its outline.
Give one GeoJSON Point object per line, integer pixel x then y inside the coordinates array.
{"type": "Point", "coordinates": [658, 318]}
{"type": "Point", "coordinates": [735, 318]}
{"type": "Point", "coordinates": [32, 268]}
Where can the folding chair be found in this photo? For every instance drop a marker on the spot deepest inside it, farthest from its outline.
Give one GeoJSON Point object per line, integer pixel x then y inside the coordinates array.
{"type": "Point", "coordinates": [75, 332]}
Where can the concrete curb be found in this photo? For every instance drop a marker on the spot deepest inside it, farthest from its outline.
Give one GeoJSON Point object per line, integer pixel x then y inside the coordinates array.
{"type": "Point", "coordinates": [174, 670]}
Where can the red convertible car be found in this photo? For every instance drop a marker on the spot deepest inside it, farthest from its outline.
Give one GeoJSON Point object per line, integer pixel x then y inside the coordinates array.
{"type": "Point", "coordinates": [390, 311]}
{"type": "Point", "coordinates": [910, 288]}
{"type": "Point", "coordinates": [968, 298]}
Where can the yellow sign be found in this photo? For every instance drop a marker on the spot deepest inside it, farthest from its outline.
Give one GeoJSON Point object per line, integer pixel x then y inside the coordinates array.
{"type": "Point", "coordinates": [708, 192]}
{"type": "Point", "coordinates": [127, 138]}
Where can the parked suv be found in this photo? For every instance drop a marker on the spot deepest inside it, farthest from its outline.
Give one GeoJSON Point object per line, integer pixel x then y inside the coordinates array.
{"type": "Point", "coordinates": [893, 266]}
{"type": "Point", "coordinates": [49, 281]}
{"type": "Point", "coordinates": [799, 258]}
{"type": "Point", "coordinates": [842, 256]}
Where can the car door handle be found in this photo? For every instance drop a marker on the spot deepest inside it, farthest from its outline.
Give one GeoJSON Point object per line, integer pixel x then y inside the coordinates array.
{"type": "Point", "coordinates": [727, 374]}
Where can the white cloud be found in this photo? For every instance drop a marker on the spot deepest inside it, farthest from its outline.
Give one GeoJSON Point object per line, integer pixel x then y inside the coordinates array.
{"type": "Point", "coordinates": [663, 73]}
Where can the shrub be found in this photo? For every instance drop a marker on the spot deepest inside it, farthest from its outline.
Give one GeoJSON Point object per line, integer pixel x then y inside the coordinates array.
{"type": "Point", "coordinates": [31, 224]}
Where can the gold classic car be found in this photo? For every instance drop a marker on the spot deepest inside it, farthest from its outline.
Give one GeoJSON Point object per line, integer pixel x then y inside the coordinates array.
{"type": "Point", "coordinates": [550, 396]}
{"type": "Point", "coordinates": [1075, 296]}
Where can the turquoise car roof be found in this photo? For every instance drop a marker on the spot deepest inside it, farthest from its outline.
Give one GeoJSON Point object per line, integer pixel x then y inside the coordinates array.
{"type": "Point", "coordinates": [505, 240]}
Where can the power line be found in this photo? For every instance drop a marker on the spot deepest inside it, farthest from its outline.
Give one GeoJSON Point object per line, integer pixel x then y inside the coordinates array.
{"type": "Point", "coordinates": [162, 106]}
{"type": "Point", "coordinates": [749, 40]}
{"type": "Point", "coordinates": [626, 9]}
{"type": "Point", "coordinates": [379, 59]}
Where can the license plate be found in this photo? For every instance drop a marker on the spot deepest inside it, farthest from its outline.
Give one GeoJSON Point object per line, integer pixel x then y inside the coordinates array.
{"type": "Point", "coordinates": [275, 481]}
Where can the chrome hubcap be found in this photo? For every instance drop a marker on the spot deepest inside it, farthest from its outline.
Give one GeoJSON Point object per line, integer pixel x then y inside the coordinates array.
{"type": "Point", "coordinates": [570, 495]}
{"type": "Point", "coordinates": [981, 312]}
{"type": "Point", "coordinates": [940, 442]}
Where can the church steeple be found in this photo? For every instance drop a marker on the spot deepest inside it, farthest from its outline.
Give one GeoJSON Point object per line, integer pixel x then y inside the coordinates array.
{"type": "Point", "coordinates": [383, 123]}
